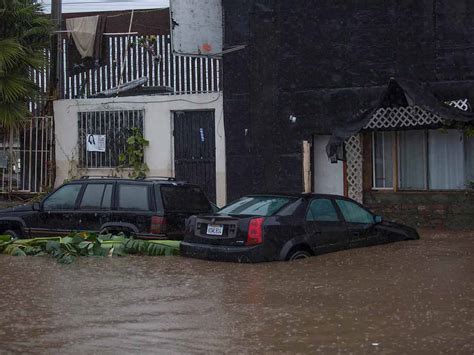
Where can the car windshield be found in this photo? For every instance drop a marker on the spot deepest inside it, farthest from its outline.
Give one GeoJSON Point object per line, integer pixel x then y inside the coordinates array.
{"type": "Point", "coordinates": [255, 206]}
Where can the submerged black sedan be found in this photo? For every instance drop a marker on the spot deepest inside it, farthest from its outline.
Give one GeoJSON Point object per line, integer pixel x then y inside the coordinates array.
{"type": "Point", "coordinates": [287, 227]}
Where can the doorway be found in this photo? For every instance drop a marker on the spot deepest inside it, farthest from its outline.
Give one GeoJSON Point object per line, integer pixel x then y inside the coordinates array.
{"type": "Point", "coordinates": [328, 177]}
{"type": "Point", "coordinates": [195, 149]}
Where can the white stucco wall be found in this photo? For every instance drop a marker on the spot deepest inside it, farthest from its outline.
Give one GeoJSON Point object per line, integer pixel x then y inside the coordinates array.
{"type": "Point", "coordinates": [157, 129]}
{"type": "Point", "coordinates": [328, 177]}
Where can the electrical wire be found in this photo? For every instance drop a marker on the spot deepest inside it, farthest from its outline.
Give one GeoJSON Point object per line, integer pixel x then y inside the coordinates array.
{"type": "Point", "coordinates": [77, 104]}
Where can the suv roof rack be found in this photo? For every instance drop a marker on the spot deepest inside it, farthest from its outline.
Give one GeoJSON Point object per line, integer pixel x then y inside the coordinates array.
{"type": "Point", "coordinates": [85, 177]}
{"type": "Point", "coordinates": [157, 178]}
{"type": "Point", "coordinates": [166, 178]}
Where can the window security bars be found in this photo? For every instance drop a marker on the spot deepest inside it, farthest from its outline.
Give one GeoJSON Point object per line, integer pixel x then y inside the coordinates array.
{"type": "Point", "coordinates": [112, 128]}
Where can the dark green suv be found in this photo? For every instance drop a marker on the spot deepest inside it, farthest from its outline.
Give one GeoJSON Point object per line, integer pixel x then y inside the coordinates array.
{"type": "Point", "coordinates": [154, 208]}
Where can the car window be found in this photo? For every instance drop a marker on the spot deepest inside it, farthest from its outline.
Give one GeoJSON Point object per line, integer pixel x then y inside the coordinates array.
{"type": "Point", "coordinates": [107, 198]}
{"type": "Point", "coordinates": [353, 213]}
{"type": "Point", "coordinates": [184, 198]}
{"type": "Point", "coordinates": [322, 210]}
{"type": "Point", "coordinates": [133, 197]}
{"type": "Point", "coordinates": [63, 199]}
{"type": "Point", "coordinates": [97, 196]}
{"type": "Point", "coordinates": [255, 206]}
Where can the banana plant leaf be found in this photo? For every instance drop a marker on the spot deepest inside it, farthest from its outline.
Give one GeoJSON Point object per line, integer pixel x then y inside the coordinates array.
{"type": "Point", "coordinates": [66, 249]}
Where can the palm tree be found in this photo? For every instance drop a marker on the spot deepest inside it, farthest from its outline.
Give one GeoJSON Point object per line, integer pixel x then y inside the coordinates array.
{"type": "Point", "coordinates": [24, 39]}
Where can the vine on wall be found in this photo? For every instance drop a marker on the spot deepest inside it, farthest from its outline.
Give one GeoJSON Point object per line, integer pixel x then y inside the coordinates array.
{"type": "Point", "coordinates": [133, 156]}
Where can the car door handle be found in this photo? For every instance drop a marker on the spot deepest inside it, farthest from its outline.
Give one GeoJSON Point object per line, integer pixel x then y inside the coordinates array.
{"type": "Point", "coordinates": [356, 234]}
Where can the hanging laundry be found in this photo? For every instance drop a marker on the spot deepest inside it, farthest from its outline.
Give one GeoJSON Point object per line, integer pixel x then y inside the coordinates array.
{"type": "Point", "coordinates": [84, 33]}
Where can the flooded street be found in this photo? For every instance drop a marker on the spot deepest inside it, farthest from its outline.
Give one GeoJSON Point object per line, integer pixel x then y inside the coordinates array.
{"type": "Point", "coordinates": [409, 297]}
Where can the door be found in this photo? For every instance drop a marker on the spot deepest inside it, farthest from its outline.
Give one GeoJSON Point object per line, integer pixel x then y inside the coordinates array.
{"type": "Point", "coordinates": [360, 223]}
{"type": "Point", "coordinates": [328, 177]}
{"type": "Point", "coordinates": [134, 207]}
{"type": "Point", "coordinates": [58, 215]}
{"type": "Point", "coordinates": [325, 227]}
{"type": "Point", "coordinates": [95, 206]}
{"type": "Point", "coordinates": [195, 149]}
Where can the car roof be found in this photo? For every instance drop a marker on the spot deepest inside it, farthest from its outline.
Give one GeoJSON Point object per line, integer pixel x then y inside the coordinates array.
{"type": "Point", "coordinates": [300, 195]}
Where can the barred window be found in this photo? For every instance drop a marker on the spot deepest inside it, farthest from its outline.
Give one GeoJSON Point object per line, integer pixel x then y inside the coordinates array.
{"type": "Point", "coordinates": [103, 136]}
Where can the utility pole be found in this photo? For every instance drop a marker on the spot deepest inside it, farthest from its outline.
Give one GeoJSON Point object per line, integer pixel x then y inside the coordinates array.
{"type": "Point", "coordinates": [55, 75]}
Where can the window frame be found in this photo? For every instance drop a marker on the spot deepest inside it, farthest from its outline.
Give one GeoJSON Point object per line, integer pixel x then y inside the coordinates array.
{"type": "Point", "coordinates": [113, 123]}
{"type": "Point", "coordinates": [116, 197]}
{"type": "Point", "coordinates": [334, 205]}
{"type": "Point", "coordinates": [394, 157]}
{"type": "Point", "coordinates": [357, 204]}
{"type": "Point", "coordinates": [396, 153]}
{"type": "Point", "coordinates": [76, 202]}
{"type": "Point", "coordinates": [97, 208]}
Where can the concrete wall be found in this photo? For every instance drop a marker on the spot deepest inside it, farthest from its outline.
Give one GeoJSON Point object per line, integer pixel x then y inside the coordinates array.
{"type": "Point", "coordinates": [157, 129]}
{"type": "Point", "coordinates": [452, 210]}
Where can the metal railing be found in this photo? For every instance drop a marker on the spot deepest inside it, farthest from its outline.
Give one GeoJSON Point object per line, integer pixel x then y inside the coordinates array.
{"type": "Point", "coordinates": [146, 56]}
{"type": "Point", "coordinates": [26, 157]}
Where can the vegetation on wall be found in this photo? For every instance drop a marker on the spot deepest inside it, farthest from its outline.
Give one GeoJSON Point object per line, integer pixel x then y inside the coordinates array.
{"type": "Point", "coordinates": [134, 154]}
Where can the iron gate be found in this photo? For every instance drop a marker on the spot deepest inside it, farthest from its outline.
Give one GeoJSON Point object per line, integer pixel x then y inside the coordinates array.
{"type": "Point", "coordinates": [26, 157]}
{"type": "Point", "coordinates": [195, 149]}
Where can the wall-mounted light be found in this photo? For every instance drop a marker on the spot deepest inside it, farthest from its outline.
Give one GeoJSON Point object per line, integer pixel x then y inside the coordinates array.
{"type": "Point", "coordinates": [292, 118]}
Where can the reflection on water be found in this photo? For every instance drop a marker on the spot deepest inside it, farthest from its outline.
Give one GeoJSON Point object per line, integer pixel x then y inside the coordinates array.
{"type": "Point", "coordinates": [409, 296]}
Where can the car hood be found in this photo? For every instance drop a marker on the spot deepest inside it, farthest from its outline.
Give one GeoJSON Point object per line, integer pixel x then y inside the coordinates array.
{"type": "Point", "coordinates": [399, 229]}
{"type": "Point", "coordinates": [16, 209]}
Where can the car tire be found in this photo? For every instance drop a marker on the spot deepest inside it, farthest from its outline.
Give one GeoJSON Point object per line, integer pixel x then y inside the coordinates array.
{"type": "Point", "coordinates": [299, 254]}
{"type": "Point", "coordinates": [15, 235]}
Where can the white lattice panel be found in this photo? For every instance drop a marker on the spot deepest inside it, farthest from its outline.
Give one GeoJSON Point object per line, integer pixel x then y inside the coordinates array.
{"type": "Point", "coordinates": [353, 147]}
{"type": "Point", "coordinates": [409, 116]}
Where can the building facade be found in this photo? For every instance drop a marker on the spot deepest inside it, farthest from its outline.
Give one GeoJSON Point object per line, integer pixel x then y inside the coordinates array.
{"type": "Point", "coordinates": [368, 99]}
{"type": "Point", "coordinates": [138, 86]}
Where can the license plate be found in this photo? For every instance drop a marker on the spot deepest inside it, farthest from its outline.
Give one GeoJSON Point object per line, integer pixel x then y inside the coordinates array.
{"type": "Point", "coordinates": [215, 230]}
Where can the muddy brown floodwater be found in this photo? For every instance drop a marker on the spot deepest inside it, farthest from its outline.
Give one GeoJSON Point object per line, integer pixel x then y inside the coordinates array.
{"type": "Point", "coordinates": [406, 297]}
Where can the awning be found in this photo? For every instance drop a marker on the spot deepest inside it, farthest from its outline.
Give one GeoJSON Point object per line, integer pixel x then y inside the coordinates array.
{"type": "Point", "coordinates": [404, 92]}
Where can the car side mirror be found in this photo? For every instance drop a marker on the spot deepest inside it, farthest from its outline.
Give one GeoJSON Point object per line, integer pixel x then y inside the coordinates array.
{"type": "Point", "coordinates": [36, 206]}
{"type": "Point", "coordinates": [378, 219]}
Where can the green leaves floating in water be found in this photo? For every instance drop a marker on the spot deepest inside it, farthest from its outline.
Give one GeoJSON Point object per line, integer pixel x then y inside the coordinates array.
{"type": "Point", "coordinates": [66, 249]}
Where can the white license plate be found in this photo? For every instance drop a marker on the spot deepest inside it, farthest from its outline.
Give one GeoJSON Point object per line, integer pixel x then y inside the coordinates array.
{"type": "Point", "coordinates": [215, 230]}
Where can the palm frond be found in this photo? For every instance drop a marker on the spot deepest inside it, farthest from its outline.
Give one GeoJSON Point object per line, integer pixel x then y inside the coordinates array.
{"type": "Point", "coordinates": [14, 87]}
{"type": "Point", "coordinates": [13, 114]}
{"type": "Point", "coordinates": [11, 53]}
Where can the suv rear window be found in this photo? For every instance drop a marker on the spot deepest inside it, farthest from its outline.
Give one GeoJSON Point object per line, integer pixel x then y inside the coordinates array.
{"type": "Point", "coordinates": [178, 198]}
{"type": "Point", "coordinates": [255, 206]}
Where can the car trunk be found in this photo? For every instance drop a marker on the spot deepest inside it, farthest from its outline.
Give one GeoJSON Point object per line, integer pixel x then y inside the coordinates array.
{"type": "Point", "coordinates": [220, 230]}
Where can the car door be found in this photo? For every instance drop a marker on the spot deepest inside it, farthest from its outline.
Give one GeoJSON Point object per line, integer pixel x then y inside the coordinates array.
{"type": "Point", "coordinates": [134, 207]}
{"type": "Point", "coordinates": [325, 226]}
{"type": "Point", "coordinates": [360, 223]}
{"type": "Point", "coordinates": [95, 206]}
{"type": "Point", "coordinates": [58, 214]}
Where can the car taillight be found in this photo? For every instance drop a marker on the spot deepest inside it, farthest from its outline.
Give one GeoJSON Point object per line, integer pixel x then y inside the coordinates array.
{"type": "Point", "coordinates": [158, 225]}
{"type": "Point", "coordinates": [255, 231]}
